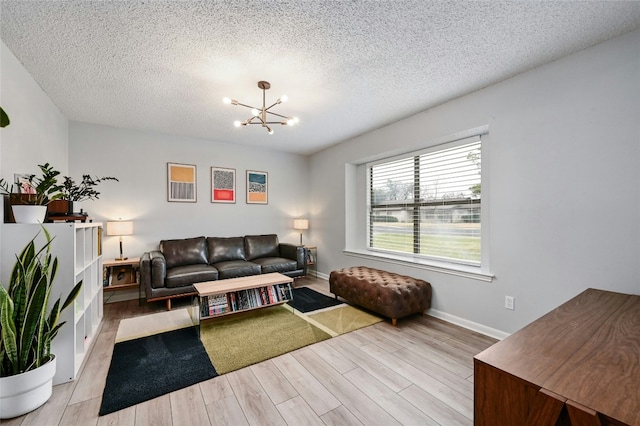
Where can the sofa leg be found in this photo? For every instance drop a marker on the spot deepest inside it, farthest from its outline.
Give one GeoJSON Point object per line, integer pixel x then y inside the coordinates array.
{"type": "Point", "coordinates": [394, 321]}
{"type": "Point", "coordinates": [168, 304]}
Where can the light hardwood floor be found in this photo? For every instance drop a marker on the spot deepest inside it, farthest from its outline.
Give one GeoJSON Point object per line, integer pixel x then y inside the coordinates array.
{"type": "Point", "coordinates": [418, 373]}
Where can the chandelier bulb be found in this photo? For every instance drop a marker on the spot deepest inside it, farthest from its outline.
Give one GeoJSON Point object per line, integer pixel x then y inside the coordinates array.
{"type": "Point", "coordinates": [270, 130]}
{"type": "Point", "coordinates": [226, 100]}
{"type": "Point", "coordinates": [255, 112]}
{"type": "Point", "coordinates": [237, 123]}
{"type": "Point", "coordinates": [284, 98]}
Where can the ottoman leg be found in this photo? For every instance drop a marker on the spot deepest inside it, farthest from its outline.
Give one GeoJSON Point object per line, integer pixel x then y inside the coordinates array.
{"type": "Point", "coordinates": [394, 321]}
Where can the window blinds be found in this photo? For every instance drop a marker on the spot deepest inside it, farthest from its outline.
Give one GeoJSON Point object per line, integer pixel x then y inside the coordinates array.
{"type": "Point", "coordinates": [428, 203]}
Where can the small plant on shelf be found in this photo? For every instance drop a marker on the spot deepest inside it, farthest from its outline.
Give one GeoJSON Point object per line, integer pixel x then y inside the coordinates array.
{"type": "Point", "coordinates": [35, 190]}
{"type": "Point", "coordinates": [84, 190]}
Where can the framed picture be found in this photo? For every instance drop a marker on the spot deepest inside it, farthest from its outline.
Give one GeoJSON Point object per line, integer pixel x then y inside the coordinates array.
{"type": "Point", "coordinates": [181, 182]}
{"type": "Point", "coordinates": [223, 185]}
{"type": "Point", "coordinates": [257, 187]}
{"type": "Point", "coordinates": [22, 183]}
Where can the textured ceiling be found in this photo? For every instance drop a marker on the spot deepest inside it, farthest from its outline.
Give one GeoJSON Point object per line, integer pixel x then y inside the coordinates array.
{"type": "Point", "coordinates": [347, 66]}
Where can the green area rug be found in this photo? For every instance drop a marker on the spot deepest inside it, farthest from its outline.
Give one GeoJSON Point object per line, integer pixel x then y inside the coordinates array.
{"type": "Point", "coordinates": [239, 340]}
{"type": "Point", "coordinates": [236, 341]}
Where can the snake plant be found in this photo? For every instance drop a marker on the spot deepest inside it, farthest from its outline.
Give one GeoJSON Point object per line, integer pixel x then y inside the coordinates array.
{"type": "Point", "coordinates": [27, 327]}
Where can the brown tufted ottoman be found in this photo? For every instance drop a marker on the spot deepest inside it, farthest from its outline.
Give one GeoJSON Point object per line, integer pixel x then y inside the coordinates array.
{"type": "Point", "coordinates": [392, 295]}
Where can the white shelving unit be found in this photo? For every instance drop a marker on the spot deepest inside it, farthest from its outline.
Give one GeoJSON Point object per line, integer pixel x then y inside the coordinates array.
{"type": "Point", "coordinates": [76, 245]}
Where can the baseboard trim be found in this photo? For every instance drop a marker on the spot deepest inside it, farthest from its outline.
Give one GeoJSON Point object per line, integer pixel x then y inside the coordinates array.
{"type": "Point", "coordinates": [112, 296]}
{"type": "Point", "coordinates": [322, 276]}
{"type": "Point", "coordinates": [470, 325]}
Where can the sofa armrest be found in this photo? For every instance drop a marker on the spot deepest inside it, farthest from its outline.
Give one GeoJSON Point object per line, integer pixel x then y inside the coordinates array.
{"type": "Point", "coordinates": [153, 271]}
{"type": "Point", "coordinates": [145, 272]}
{"type": "Point", "coordinates": [297, 253]}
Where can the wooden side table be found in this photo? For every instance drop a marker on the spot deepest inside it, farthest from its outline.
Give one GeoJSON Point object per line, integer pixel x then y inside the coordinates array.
{"type": "Point", "coordinates": [311, 255]}
{"type": "Point", "coordinates": [122, 274]}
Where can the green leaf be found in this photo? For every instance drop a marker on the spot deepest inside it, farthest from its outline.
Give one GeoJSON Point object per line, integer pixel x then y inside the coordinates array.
{"type": "Point", "coordinates": [4, 118]}
{"type": "Point", "coordinates": [72, 296]}
{"type": "Point", "coordinates": [32, 325]}
{"type": "Point", "coordinates": [8, 331]}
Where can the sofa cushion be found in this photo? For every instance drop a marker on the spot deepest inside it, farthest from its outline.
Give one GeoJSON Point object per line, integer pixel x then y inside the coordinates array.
{"type": "Point", "coordinates": [261, 246]}
{"type": "Point", "coordinates": [225, 249]}
{"type": "Point", "coordinates": [186, 251]}
{"type": "Point", "coordinates": [276, 264]}
{"type": "Point", "coordinates": [236, 268]}
{"type": "Point", "coordinates": [180, 276]}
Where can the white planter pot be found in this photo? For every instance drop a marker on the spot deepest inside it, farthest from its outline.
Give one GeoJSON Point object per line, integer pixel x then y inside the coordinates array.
{"type": "Point", "coordinates": [29, 213]}
{"type": "Point", "coordinates": [23, 393]}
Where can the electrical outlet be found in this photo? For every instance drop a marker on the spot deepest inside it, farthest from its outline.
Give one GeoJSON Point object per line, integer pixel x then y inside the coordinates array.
{"type": "Point", "coordinates": [509, 302]}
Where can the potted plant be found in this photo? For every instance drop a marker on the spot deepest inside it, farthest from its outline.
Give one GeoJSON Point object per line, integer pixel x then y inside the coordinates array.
{"type": "Point", "coordinates": [85, 190]}
{"type": "Point", "coordinates": [28, 327]}
{"type": "Point", "coordinates": [37, 192]}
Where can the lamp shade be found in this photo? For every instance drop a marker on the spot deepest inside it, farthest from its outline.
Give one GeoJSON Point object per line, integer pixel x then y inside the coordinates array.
{"type": "Point", "coordinates": [120, 227]}
{"type": "Point", "coordinates": [300, 224]}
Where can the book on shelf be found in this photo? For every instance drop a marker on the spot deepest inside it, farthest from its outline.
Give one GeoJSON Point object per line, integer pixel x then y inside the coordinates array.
{"type": "Point", "coordinates": [232, 301]}
{"type": "Point", "coordinates": [244, 299]}
{"type": "Point", "coordinates": [271, 294]}
{"type": "Point", "coordinates": [287, 291]}
{"type": "Point", "coordinates": [214, 305]}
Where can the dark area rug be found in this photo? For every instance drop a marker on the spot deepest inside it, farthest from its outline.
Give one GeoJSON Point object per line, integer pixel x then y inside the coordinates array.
{"type": "Point", "coordinates": [307, 300]}
{"type": "Point", "coordinates": [145, 368]}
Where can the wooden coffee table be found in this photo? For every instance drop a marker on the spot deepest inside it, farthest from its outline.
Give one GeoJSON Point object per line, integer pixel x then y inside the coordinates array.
{"type": "Point", "coordinates": [233, 295]}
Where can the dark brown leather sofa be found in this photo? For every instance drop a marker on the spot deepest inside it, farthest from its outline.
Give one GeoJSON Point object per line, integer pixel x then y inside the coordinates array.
{"type": "Point", "coordinates": [172, 270]}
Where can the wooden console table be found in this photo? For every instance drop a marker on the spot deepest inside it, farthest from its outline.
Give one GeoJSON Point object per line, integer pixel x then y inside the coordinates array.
{"type": "Point", "coordinates": [577, 365]}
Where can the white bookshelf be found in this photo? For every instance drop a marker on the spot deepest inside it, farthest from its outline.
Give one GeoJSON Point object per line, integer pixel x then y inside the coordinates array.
{"type": "Point", "coordinates": [76, 245]}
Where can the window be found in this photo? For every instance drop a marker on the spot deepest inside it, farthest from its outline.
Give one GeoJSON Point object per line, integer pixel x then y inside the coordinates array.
{"type": "Point", "coordinates": [428, 203]}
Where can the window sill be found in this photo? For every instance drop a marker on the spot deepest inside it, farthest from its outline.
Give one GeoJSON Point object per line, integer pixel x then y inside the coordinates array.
{"type": "Point", "coordinates": [465, 271]}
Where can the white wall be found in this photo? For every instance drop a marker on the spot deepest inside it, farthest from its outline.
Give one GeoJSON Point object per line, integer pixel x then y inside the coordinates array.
{"type": "Point", "coordinates": [38, 132]}
{"type": "Point", "coordinates": [563, 159]}
{"type": "Point", "coordinates": [139, 160]}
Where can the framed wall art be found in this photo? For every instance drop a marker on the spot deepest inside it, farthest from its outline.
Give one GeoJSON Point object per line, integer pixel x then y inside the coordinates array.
{"type": "Point", "coordinates": [257, 187]}
{"type": "Point", "coordinates": [21, 180]}
{"type": "Point", "coordinates": [181, 182]}
{"type": "Point", "coordinates": [223, 185]}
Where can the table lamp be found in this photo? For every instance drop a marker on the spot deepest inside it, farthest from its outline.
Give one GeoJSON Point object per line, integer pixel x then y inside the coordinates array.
{"type": "Point", "coordinates": [300, 224]}
{"type": "Point", "coordinates": [120, 228]}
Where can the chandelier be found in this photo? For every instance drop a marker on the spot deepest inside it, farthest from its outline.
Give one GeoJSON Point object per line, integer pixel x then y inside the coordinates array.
{"type": "Point", "coordinates": [259, 115]}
